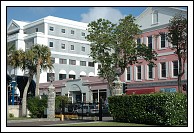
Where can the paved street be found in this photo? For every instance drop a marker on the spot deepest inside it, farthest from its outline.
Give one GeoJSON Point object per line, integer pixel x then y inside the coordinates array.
{"type": "Point", "coordinates": [47, 122]}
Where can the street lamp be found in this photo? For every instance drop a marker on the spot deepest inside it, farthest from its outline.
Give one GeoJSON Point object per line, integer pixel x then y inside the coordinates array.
{"type": "Point", "coordinates": [13, 84]}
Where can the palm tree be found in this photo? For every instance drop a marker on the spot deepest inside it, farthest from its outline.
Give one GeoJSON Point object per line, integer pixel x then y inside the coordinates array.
{"type": "Point", "coordinates": [43, 62]}
{"type": "Point", "coordinates": [28, 62]}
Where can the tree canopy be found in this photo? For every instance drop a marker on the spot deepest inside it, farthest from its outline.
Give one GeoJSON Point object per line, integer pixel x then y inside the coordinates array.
{"type": "Point", "coordinates": [114, 46]}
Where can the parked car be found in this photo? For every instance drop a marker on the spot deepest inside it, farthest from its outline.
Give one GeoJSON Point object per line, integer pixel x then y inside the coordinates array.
{"type": "Point", "coordinates": [88, 110]}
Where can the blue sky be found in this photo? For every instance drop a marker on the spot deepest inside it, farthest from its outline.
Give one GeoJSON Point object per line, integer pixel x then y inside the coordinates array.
{"type": "Point", "coordinates": [83, 14]}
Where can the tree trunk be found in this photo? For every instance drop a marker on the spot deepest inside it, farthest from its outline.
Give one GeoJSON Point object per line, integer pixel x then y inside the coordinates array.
{"type": "Point", "coordinates": [179, 84]}
{"type": "Point", "coordinates": [37, 80]}
{"type": "Point", "coordinates": [180, 74]}
{"type": "Point", "coordinates": [24, 99]}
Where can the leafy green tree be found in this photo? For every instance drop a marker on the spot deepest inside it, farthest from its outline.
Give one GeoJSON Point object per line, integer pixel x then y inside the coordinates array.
{"type": "Point", "coordinates": [177, 36]}
{"type": "Point", "coordinates": [42, 56]}
{"type": "Point", "coordinates": [114, 47]}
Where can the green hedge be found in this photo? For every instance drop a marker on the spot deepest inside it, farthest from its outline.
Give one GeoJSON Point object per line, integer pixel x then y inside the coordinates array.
{"type": "Point", "coordinates": [155, 109]}
{"type": "Point", "coordinates": [37, 106]}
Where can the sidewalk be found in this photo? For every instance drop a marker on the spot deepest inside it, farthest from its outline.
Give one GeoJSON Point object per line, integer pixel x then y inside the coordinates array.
{"type": "Point", "coordinates": [33, 120]}
{"type": "Point", "coordinates": [51, 122]}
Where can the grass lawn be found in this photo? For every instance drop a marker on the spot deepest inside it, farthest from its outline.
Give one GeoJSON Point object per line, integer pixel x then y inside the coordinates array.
{"type": "Point", "coordinates": [104, 124]}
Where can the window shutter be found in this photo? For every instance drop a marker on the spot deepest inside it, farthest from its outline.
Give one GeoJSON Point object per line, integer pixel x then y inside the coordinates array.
{"type": "Point", "coordinates": [167, 71]}
{"type": "Point", "coordinates": [159, 70]}
{"type": "Point", "coordinates": [125, 74]}
{"type": "Point", "coordinates": [135, 77]}
{"type": "Point", "coordinates": [146, 71]}
{"type": "Point", "coordinates": [153, 42]}
{"type": "Point", "coordinates": [131, 72]}
{"type": "Point", "coordinates": [159, 42]}
{"type": "Point", "coordinates": [153, 72]}
{"type": "Point", "coordinates": [170, 69]}
{"type": "Point", "coordinates": [145, 41]}
{"type": "Point", "coordinates": [141, 39]}
{"type": "Point", "coordinates": [142, 72]}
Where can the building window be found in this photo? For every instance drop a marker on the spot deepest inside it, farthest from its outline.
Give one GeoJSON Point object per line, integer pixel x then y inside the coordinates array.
{"type": "Point", "coordinates": [71, 76]}
{"type": "Point", "coordinates": [138, 40]}
{"type": "Point", "coordinates": [72, 62]}
{"type": "Point", "coordinates": [128, 73]}
{"type": "Point", "coordinates": [175, 68]}
{"type": "Point", "coordinates": [163, 69]}
{"type": "Point", "coordinates": [62, 76]}
{"type": "Point", "coordinates": [91, 64]}
{"type": "Point", "coordinates": [163, 40]}
{"type": "Point", "coordinates": [150, 42]}
{"type": "Point", "coordinates": [72, 47]}
{"type": "Point", "coordinates": [36, 29]}
{"type": "Point", "coordinates": [50, 44]}
{"type": "Point", "coordinates": [139, 72]}
{"type": "Point", "coordinates": [62, 61]}
{"type": "Point", "coordinates": [52, 60]}
{"type": "Point", "coordinates": [63, 30]}
{"type": "Point", "coordinates": [72, 32]}
{"type": "Point", "coordinates": [51, 28]}
{"type": "Point", "coordinates": [82, 63]}
{"type": "Point", "coordinates": [155, 17]}
{"type": "Point", "coordinates": [83, 49]}
{"type": "Point", "coordinates": [83, 34]}
{"type": "Point", "coordinates": [63, 46]}
{"type": "Point", "coordinates": [50, 75]}
{"type": "Point", "coordinates": [150, 71]}
{"type": "Point", "coordinates": [82, 76]}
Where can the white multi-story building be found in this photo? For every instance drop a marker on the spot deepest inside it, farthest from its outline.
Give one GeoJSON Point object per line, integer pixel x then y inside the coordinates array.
{"type": "Point", "coordinates": [66, 40]}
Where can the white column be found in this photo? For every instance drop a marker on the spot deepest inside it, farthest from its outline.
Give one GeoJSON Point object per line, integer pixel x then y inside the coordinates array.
{"type": "Point", "coordinates": [82, 97]}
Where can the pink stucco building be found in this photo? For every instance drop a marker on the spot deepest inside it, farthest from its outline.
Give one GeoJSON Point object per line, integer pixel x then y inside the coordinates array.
{"type": "Point", "coordinates": [142, 78]}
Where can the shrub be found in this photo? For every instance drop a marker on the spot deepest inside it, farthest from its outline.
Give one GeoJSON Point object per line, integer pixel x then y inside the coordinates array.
{"type": "Point", "coordinates": [156, 109]}
{"type": "Point", "coordinates": [37, 106]}
{"type": "Point", "coordinates": [11, 115]}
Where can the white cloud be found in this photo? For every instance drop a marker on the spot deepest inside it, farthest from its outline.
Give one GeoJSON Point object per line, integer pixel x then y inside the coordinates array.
{"type": "Point", "coordinates": [95, 13]}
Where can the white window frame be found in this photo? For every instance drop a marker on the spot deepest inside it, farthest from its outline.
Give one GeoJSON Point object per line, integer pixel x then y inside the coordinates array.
{"type": "Point", "coordinates": [51, 27]}
{"type": "Point", "coordinates": [72, 32]}
{"type": "Point", "coordinates": [63, 44]}
{"type": "Point", "coordinates": [153, 72]}
{"type": "Point", "coordinates": [166, 42]}
{"type": "Point", "coordinates": [83, 34]}
{"type": "Point", "coordinates": [130, 68]}
{"type": "Point", "coordinates": [62, 31]}
{"type": "Point", "coordinates": [172, 66]}
{"type": "Point", "coordinates": [73, 48]}
{"type": "Point", "coordinates": [62, 61]}
{"type": "Point", "coordinates": [71, 62]}
{"type": "Point", "coordinates": [84, 49]}
{"type": "Point", "coordinates": [53, 60]}
{"type": "Point", "coordinates": [160, 70]}
{"type": "Point", "coordinates": [136, 73]}
{"type": "Point", "coordinates": [52, 43]}
{"type": "Point", "coordinates": [81, 63]}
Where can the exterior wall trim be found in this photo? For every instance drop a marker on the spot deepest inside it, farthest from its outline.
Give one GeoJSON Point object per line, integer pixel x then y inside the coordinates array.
{"type": "Point", "coordinates": [154, 84]}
